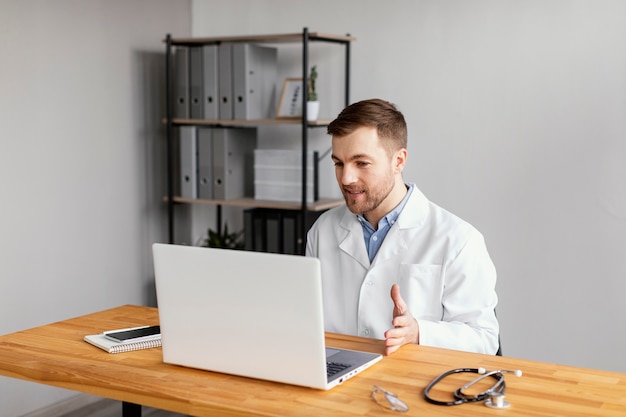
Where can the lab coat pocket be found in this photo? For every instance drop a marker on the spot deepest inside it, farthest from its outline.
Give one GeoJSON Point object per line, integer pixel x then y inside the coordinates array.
{"type": "Point", "coordinates": [421, 287]}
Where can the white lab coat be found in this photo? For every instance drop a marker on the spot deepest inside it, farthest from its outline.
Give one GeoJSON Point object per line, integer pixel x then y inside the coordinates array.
{"type": "Point", "coordinates": [440, 262]}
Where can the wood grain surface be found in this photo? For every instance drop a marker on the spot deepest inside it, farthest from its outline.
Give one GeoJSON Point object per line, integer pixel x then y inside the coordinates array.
{"type": "Point", "coordinates": [56, 355]}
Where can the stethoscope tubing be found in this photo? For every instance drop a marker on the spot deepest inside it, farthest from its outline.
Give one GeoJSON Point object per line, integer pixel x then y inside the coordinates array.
{"type": "Point", "coordinates": [461, 398]}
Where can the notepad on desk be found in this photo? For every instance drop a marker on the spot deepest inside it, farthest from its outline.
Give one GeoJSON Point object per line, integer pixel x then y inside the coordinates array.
{"type": "Point", "coordinates": [126, 340]}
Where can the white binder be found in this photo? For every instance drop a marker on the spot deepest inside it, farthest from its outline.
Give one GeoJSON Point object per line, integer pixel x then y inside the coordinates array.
{"type": "Point", "coordinates": [225, 77]}
{"type": "Point", "coordinates": [205, 163]}
{"type": "Point", "coordinates": [233, 167]}
{"type": "Point", "coordinates": [188, 162]}
{"type": "Point", "coordinates": [181, 83]}
{"type": "Point", "coordinates": [254, 81]}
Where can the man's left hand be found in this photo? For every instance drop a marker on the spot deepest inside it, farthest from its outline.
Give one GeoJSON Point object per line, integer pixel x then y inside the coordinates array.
{"type": "Point", "coordinates": [405, 329]}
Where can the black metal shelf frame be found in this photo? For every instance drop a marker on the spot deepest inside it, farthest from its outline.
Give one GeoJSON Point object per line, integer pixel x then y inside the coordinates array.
{"type": "Point", "coordinates": [307, 38]}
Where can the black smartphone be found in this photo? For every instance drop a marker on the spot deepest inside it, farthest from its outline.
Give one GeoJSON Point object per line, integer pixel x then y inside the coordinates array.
{"type": "Point", "coordinates": [135, 334]}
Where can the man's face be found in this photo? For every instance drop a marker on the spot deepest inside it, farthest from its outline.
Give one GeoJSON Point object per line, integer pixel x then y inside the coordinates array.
{"type": "Point", "coordinates": [364, 171]}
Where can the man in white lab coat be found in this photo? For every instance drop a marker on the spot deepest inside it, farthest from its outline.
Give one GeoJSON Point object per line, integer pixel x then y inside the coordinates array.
{"type": "Point", "coordinates": [395, 266]}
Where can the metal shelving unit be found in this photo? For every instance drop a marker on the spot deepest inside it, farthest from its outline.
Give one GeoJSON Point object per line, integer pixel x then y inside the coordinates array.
{"type": "Point", "coordinates": [305, 38]}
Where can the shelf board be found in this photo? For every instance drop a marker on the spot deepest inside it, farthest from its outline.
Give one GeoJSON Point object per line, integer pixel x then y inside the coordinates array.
{"type": "Point", "coordinates": [247, 123]}
{"type": "Point", "coordinates": [248, 202]}
{"type": "Point", "coordinates": [273, 38]}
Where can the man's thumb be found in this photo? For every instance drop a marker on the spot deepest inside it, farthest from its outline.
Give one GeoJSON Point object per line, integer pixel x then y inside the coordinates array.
{"type": "Point", "coordinates": [399, 306]}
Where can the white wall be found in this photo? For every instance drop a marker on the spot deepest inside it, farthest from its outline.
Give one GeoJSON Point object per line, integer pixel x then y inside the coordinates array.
{"type": "Point", "coordinates": [81, 161]}
{"type": "Point", "coordinates": [516, 113]}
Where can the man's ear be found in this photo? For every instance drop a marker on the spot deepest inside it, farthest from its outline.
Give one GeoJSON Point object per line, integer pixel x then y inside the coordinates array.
{"type": "Point", "coordinates": [400, 160]}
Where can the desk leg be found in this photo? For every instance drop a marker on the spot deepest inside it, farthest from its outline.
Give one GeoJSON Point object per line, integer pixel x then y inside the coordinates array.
{"type": "Point", "coordinates": [131, 410]}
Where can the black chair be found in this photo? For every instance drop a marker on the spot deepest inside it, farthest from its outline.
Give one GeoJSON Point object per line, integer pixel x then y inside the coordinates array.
{"type": "Point", "coordinates": [499, 352]}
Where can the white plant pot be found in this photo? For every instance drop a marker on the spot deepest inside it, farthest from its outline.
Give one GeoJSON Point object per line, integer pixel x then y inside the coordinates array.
{"type": "Point", "coordinates": [312, 110]}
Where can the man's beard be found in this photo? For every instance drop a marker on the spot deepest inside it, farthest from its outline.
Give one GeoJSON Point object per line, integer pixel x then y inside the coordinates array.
{"type": "Point", "coordinates": [373, 197]}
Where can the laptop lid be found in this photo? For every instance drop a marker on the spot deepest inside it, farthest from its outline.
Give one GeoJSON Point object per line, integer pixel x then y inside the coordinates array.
{"type": "Point", "coordinates": [246, 313]}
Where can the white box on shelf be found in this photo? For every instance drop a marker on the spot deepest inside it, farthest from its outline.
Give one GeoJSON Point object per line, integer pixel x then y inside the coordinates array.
{"type": "Point", "coordinates": [278, 175]}
{"type": "Point", "coordinates": [280, 157]}
{"type": "Point", "coordinates": [282, 191]}
{"type": "Point", "coordinates": [282, 174]}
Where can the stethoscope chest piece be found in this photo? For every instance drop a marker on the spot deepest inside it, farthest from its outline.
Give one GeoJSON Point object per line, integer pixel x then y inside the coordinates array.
{"type": "Point", "coordinates": [496, 400]}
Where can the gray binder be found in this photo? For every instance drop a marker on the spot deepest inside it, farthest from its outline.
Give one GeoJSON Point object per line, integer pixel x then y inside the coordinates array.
{"type": "Point", "coordinates": [225, 77]}
{"type": "Point", "coordinates": [181, 83]}
{"type": "Point", "coordinates": [210, 70]}
{"type": "Point", "coordinates": [196, 102]}
{"type": "Point", "coordinates": [203, 80]}
{"type": "Point", "coordinates": [205, 163]}
{"type": "Point", "coordinates": [254, 81]}
{"type": "Point", "coordinates": [233, 167]}
{"type": "Point", "coordinates": [188, 162]}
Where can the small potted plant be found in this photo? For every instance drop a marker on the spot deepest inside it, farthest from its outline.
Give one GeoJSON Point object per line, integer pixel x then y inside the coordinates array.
{"type": "Point", "coordinates": [224, 240]}
{"type": "Point", "coordinates": [312, 104]}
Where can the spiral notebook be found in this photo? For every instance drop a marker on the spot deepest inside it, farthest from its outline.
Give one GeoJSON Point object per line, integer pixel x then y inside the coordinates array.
{"type": "Point", "coordinates": [111, 346]}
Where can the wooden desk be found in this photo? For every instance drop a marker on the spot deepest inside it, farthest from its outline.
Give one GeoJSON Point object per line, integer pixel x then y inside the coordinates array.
{"type": "Point", "coordinates": [57, 355]}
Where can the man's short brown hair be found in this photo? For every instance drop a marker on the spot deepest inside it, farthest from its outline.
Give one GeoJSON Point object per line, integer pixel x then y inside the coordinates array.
{"type": "Point", "coordinates": [380, 114]}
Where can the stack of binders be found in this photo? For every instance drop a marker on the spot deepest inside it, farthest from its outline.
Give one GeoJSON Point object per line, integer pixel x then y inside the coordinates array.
{"type": "Point", "coordinates": [276, 231]}
{"type": "Point", "coordinates": [216, 163]}
{"type": "Point", "coordinates": [225, 81]}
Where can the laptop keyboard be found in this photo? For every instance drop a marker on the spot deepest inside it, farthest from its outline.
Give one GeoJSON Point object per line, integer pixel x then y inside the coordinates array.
{"type": "Point", "coordinates": [333, 367]}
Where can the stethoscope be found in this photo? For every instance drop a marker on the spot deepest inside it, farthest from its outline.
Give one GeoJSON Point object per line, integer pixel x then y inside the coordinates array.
{"type": "Point", "coordinates": [494, 396]}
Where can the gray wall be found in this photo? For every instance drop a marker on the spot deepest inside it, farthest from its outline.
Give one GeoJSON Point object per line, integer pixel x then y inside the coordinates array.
{"type": "Point", "coordinates": [517, 123]}
{"type": "Point", "coordinates": [516, 116]}
{"type": "Point", "coordinates": [81, 161]}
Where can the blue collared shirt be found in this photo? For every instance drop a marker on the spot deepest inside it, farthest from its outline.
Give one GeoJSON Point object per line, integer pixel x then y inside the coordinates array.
{"type": "Point", "coordinates": [374, 238]}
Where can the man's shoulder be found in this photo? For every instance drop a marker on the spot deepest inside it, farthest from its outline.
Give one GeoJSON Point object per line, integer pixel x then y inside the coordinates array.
{"type": "Point", "coordinates": [334, 215]}
{"type": "Point", "coordinates": [327, 225]}
{"type": "Point", "coordinates": [435, 214]}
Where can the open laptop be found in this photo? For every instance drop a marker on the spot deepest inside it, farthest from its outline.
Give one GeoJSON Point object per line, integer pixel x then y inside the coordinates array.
{"type": "Point", "coordinates": [246, 313]}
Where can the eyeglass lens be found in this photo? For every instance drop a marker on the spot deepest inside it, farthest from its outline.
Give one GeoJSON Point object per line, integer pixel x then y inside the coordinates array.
{"type": "Point", "coordinates": [388, 400]}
